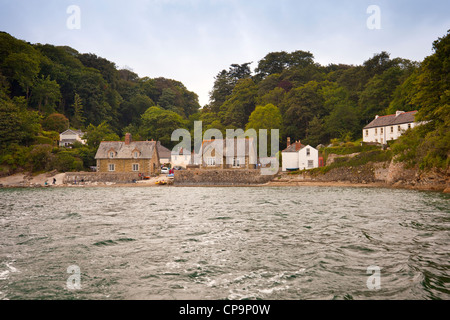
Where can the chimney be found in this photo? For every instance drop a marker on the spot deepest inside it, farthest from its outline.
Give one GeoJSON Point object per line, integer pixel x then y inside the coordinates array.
{"type": "Point", "coordinates": [127, 138]}
{"type": "Point", "coordinates": [399, 113]}
{"type": "Point", "coordinates": [298, 145]}
{"type": "Point", "coordinates": [288, 141]}
{"type": "Point", "coordinates": [376, 117]}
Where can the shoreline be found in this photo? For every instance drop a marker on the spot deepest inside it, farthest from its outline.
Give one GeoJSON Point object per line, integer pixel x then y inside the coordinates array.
{"type": "Point", "coordinates": [323, 184]}
{"type": "Point", "coordinates": [20, 181]}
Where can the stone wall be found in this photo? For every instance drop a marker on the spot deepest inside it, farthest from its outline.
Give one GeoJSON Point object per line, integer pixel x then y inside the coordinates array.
{"type": "Point", "coordinates": [72, 177]}
{"type": "Point", "coordinates": [220, 177]}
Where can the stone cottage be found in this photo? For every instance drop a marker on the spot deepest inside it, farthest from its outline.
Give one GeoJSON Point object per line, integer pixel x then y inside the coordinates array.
{"type": "Point", "coordinates": [128, 157]}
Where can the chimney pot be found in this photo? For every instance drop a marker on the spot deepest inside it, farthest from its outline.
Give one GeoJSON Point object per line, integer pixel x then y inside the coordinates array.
{"type": "Point", "coordinates": [288, 141]}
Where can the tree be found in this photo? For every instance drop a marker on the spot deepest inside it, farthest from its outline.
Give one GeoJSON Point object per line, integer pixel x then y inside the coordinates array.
{"type": "Point", "coordinates": [46, 94]}
{"type": "Point", "coordinates": [236, 110]}
{"type": "Point", "coordinates": [265, 117]}
{"type": "Point", "coordinates": [55, 122]}
{"type": "Point", "coordinates": [277, 62]}
{"type": "Point", "coordinates": [299, 108]}
{"type": "Point", "coordinates": [225, 83]}
{"type": "Point", "coordinates": [158, 124]}
{"type": "Point", "coordinates": [23, 68]}
{"type": "Point", "coordinates": [96, 134]}
{"type": "Point", "coordinates": [78, 118]}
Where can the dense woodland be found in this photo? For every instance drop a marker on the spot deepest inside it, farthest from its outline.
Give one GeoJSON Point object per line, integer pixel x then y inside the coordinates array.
{"type": "Point", "coordinates": [45, 89]}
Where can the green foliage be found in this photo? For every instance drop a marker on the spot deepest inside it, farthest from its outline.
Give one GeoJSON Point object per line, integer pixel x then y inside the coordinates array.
{"type": "Point", "coordinates": [78, 119]}
{"type": "Point", "coordinates": [428, 145]}
{"type": "Point", "coordinates": [55, 122]}
{"type": "Point", "coordinates": [158, 124]}
{"type": "Point", "coordinates": [360, 159]}
{"type": "Point", "coordinates": [41, 157]}
{"type": "Point", "coordinates": [46, 95]}
{"type": "Point", "coordinates": [67, 161]}
{"type": "Point", "coordinates": [265, 117]}
{"type": "Point", "coordinates": [96, 134]}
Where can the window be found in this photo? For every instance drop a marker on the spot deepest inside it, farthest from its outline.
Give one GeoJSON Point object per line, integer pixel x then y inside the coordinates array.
{"type": "Point", "coordinates": [111, 167]}
{"type": "Point", "coordinates": [367, 133]}
{"type": "Point", "coordinates": [111, 154]}
{"type": "Point", "coordinates": [376, 140]}
{"type": "Point", "coordinates": [392, 129]}
{"type": "Point", "coordinates": [381, 131]}
{"type": "Point", "coordinates": [376, 131]}
{"type": "Point", "coordinates": [310, 163]}
{"type": "Point", "coordinates": [381, 140]}
{"type": "Point", "coordinates": [135, 154]}
{"type": "Point", "coordinates": [409, 125]}
{"type": "Point", "coordinates": [175, 158]}
{"type": "Point", "coordinates": [308, 152]}
{"type": "Point", "coordinates": [236, 162]}
{"type": "Point", "coordinates": [135, 167]}
{"type": "Point", "coordinates": [211, 162]}
{"type": "Point", "coordinates": [399, 128]}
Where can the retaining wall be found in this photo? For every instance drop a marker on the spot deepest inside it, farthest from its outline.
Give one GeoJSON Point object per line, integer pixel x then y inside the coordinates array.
{"type": "Point", "coordinates": [72, 177]}
{"type": "Point", "coordinates": [219, 177]}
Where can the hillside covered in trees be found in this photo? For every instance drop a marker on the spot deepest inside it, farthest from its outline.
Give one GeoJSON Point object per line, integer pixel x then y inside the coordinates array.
{"type": "Point", "coordinates": [45, 89]}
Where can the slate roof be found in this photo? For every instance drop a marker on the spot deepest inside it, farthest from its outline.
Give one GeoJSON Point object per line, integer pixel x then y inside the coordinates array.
{"type": "Point", "coordinates": [163, 152]}
{"type": "Point", "coordinates": [295, 147]}
{"type": "Point", "coordinates": [71, 132]}
{"type": "Point", "coordinates": [391, 120]}
{"type": "Point", "coordinates": [124, 151]}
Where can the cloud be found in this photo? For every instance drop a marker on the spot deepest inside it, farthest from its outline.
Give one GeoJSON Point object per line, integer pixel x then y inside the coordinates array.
{"type": "Point", "coordinates": [193, 40]}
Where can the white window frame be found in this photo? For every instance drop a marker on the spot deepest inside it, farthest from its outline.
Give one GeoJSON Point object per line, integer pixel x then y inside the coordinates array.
{"type": "Point", "coordinates": [211, 162]}
{"type": "Point", "coordinates": [111, 167]}
{"type": "Point", "coordinates": [135, 167]}
{"type": "Point", "coordinates": [236, 162]}
{"type": "Point", "coordinates": [308, 152]}
{"type": "Point", "coordinates": [111, 154]}
{"type": "Point", "coordinates": [310, 164]}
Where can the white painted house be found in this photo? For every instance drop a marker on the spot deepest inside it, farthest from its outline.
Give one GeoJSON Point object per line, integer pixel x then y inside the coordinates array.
{"type": "Point", "coordinates": [299, 157]}
{"type": "Point", "coordinates": [180, 158]}
{"type": "Point", "coordinates": [390, 127]}
{"type": "Point", "coordinates": [70, 136]}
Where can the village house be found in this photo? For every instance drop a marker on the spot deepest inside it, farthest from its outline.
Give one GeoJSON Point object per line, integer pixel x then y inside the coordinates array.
{"type": "Point", "coordinates": [165, 155]}
{"type": "Point", "coordinates": [215, 155]}
{"type": "Point", "coordinates": [128, 157]}
{"type": "Point", "coordinates": [181, 158]}
{"type": "Point", "coordinates": [68, 137]}
{"type": "Point", "coordinates": [391, 127]}
{"type": "Point", "coordinates": [299, 157]}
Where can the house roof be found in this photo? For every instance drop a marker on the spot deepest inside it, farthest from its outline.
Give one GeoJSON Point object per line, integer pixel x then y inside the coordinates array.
{"type": "Point", "coordinates": [249, 144]}
{"type": "Point", "coordinates": [125, 151]}
{"type": "Point", "coordinates": [392, 119]}
{"type": "Point", "coordinates": [70, 131]}
{"type": "Point", "coordinates": [163, 152]}
{"type": "Point", "coordinates": [295, 147]}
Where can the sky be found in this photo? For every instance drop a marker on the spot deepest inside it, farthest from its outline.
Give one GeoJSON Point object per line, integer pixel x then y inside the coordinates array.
{"type": "Point", "coordinates": [193, 40]}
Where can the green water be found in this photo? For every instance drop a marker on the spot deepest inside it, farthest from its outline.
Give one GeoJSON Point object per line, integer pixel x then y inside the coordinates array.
{"type": "Point", "coordinates": [285, 243]}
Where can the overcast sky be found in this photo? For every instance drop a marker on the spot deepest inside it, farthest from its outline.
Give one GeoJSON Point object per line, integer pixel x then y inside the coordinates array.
{"type": "Point", "coordinates": [193, 40]}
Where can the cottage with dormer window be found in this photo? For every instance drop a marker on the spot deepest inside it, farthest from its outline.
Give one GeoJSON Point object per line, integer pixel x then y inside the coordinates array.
{"type": "Point", "coordinates": [128, 156]}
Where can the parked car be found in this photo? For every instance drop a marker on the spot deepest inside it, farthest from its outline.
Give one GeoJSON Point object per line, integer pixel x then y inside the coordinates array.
{"type": "Point", "coordinates": [165, 170]}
